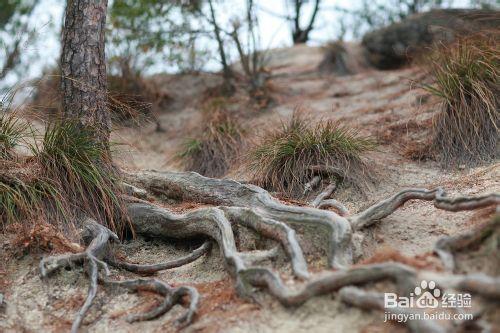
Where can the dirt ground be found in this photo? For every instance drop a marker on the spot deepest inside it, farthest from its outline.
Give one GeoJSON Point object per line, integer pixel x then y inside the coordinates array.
{"type": "Point", "coordinates": [387, 105]}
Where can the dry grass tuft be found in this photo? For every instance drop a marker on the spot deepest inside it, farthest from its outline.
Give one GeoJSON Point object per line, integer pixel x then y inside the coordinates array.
{"type": "Point", "coordinates": [212, 152]}
{"type": "Point", "coordinates": [335, 59]}
{"type": "Point", "coordinates": [68, 176]}
{"type": "Point", "coordinates": [24, 192]}
{"type": "Point", "coordinates": [467, 80]}
{"type": "Point", "coordinates": [41, 236]}
{"type": "Point", "coordinates": [12, 131]}
{"type": "Point", "coordinates": [131, 98]}
{"type": "Point", "coordinates": [84, 175]}
{"type": "Point", "coordinates": [287, 158]}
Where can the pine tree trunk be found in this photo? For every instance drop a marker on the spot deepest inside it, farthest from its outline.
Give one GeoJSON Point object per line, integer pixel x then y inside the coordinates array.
{"type": "Point", "coordinates": [83, 66]}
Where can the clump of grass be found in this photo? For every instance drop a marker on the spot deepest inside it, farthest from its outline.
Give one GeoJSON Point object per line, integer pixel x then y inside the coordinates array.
{"type": "Point", "coordinates": [68, 176]}
{"type": "Point", "coordinates": [287, 158]}
{"type": "Point", "coordinates": [467, 80]}
{"type": "Point", "coordinates": [26, 194]}
{"type": "Point", "coordinates": [12, 131]}
{"type": "Point", "coordinates": [216, 147]}
{"type": "Point", "coordinates": [131, 98]}
{"type": "Point", "coordinates": [335, 59]}
{"type": "Point", "coordinates": [80, 166]}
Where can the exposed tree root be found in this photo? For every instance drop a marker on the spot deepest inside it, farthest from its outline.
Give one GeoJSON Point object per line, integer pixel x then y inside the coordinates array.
{"type": "Point", "coordinates": [312, 184]}
{"type": "Point", "coordinates": [477, 284]}
{"type": "Point", "coordinates": [146, 216]}
{"type": "Point", "coordinates": [338, 206]}
{"type": "Point", "coordinates": [323, 195]}
{"type": "Point", "coordinates": [172, 295]}
{"type": "Point", "coordinates": [375, 301]}
{"type": "Point", "coordinates": [328, 281]}
{"type": "Point", "coordinates": [446, 246]}
{"type": "Point", "coordinates": [191, 186]}
{"type": "Point", "coordinates": [388, 206]}
{"type": "Point", "coordinates": [153, 268]}
{"type": "Point", "coordinates": [252, 207]}
{"type": "Point", "coordinates": [93, 257]}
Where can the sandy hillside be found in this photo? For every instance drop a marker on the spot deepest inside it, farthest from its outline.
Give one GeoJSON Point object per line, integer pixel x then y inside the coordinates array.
{"type": "Point", "coordinates": [384, 104]}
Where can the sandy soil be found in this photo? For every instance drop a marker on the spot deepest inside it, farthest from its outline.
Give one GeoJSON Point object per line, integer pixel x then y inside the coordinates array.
{"type": "Point", "coordinates": [382, 104]}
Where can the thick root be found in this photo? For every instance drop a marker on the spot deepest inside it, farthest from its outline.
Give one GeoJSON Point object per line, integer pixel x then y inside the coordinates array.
{"type": "Point", "coordinates": [338, 206]}
{"type": "Point", "coordinates": [326, 193]}
{"type": "Point", "coordinates": [253, 207]}
{"type": "Point", "coordinates": [479, 284]}
{"type": "Point", "coordinates": [172, 297]}
{"type": "Point", "coordinates": [312, 184]}
{"type": "Point", "coordinates": [194, 187]}
{"type": "Point", "coordinates": [191, 186]}
{"type": "Point", "coordinates": [375, 301]}
{"type": "Point", "coordinates": [446, 246]}
{"type": "Point", "coordinates": [272, 229]}
{"type": "Point", "coordinates": [153, 268]}
{"type": "Point", "coordinates": [388, 206]}
{"type": "Point", "coordinates": [96, 251]}
{"type": "Point", "coordinates": [328, 281]}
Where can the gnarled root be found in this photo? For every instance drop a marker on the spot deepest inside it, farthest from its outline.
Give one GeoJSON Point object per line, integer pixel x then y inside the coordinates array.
{"type": "Point", "coordinates": [326, 193]}
{"type": "Point", "coordinates": [254, 208]}
{"type": "Point", "coordinates": [328, 281]}
{"type": "Point", "coordinates": [388, 206]}
{"type": "Point", "coordinates": [312, 184]}
{"type": "Point", "coordinates": [194, 187]}
{"type": "Point", "coordinates": [153, 268]}
{"type": "Point", "coordinates": [172, 296]}
{"type": "Point", "coordinates": [93, 257]}
{"type": "Point", "coordinates": [476, 284]}
{"type": "Point", "coordinates": [446, 246]}
{"type": "Point", "coordinates": [191, 186]}
{"type": "Point", "coordinates": [375, 301]}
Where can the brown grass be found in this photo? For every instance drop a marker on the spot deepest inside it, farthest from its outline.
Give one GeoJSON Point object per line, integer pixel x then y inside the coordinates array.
{"type": "Point", "coordinates": [130, 97]}
{"type": "Point", "coordinates": [387, 253]}
{"type": "Point", "coordinates": [287, 158]}
{"type": "Point", "coordinates": [410, 137]}
{"type": "Point", "coordinates": [220, 302]}
{"type": "Point", "coordinates": [68, 176]}
{"type": "Point", "coordinates": [41, 236]}
{"type": "Point", "coordinates": [467, 79]}
{"type": "Point", "coordinates": [216, 147]}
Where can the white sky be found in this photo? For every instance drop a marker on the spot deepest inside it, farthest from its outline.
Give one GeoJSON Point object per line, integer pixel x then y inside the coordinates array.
{"type": "Point", "coordinates": [275, 32]}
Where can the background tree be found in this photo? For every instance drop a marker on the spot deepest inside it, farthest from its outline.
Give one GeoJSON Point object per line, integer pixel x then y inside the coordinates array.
{"type": "Point", "coordinates": [15, 32]}
{"type": "Point", "coordinates": [299, 34]}
{"type": "Point", "coordinates": [149, 33]}
{"type": "Point", "coordinates": [83, 66]}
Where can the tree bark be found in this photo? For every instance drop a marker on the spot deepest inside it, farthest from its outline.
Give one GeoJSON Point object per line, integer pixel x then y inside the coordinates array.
{"type": "Point", "coordinates": [299, 35]}
{"type": "Point", "coordinates": [83, 67]}
{"type": "Point", "coordinates": [226, 69]}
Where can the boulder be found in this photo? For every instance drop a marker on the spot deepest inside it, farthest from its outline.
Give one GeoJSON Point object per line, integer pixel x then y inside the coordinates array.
{"type": "Point", "coordinates": [395, 45]}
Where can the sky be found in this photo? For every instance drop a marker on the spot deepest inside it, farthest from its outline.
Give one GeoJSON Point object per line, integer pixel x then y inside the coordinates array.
{"type": "Point", "coordinates": [274, 31]}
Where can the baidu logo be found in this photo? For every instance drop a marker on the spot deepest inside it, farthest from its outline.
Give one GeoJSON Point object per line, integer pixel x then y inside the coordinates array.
{"type": "Point", "coordinates": [428, 295]}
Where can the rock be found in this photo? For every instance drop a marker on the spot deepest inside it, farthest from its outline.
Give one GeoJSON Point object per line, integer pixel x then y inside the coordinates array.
{"type": "Point", "coordinates": [393, 46]}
